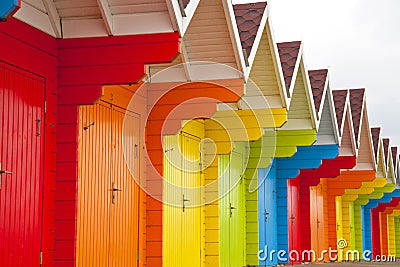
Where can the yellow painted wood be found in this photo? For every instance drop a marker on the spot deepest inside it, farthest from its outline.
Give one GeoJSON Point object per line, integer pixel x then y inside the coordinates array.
{"type": "Point", "coordinates": [391, 235]}
{"type": "Point", "coordinates": [227, 126]}
{"type": "Point", "coordinates": [264, 71]}
{"type": "Point", "coordinates": [339, 228]}
{"type": "Point", "coordinates": [396, 218]}
{"type": "Point", "coordinates": [183, 226]}
{"type": "Point", "coordinates": [344, 211]}
{"type": "Point", "coordinates": [367, 187]}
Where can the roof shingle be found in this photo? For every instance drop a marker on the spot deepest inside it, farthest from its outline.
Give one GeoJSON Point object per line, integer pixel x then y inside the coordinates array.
{"type": "Point", "coordinates": [376, 133]}
{"type": "Point", "coordinates": [288, 53]}
{"type": "Point", "coordinates": [248, 20]}
{"type": "Point", "coordinates": [356, 103]}
{"type": "Point", "coordinates": [185, 3]}
{"type": "Point", "coordinates": [318, 80]}
{"type": "Point", "coordinates": [386, 142]}
{"type": "Point", "coordinates": [394, 156]}
{"type": "Point", "coordinates": [339, 98]}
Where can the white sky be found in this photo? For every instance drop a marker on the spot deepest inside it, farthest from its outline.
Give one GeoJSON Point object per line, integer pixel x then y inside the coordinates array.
{"type": "Point", "coordinates": [358, 40]}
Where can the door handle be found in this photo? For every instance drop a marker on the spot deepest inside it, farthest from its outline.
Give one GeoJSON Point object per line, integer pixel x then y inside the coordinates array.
{"type": "Point", "coordinates": [1, 174]}
{"type": "Point", "coordinates": [231, 208]}
{"type": "Point", "coordinates": [114, 192]}
{"type": "Point", "coordinates": [183, 202]}
{"type": "Point", "coordinates": [38, 121]}
{"type": "Point", "coordinates": [136, 150]}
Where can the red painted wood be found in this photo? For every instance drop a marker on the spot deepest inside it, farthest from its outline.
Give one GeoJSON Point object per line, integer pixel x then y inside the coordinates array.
{"type": "Point", "coordinates": [22, 98]}
{"type": "Point", "coordinates": [30, 36]}
{"type": "Point", "coordinates": [379, 244]}
{"type": "Point", "coordinates": [330, 168]}
{"type": "Point", "coordinates": [100, 75]}
{"type": "Point", "coordinates": [85, 65]}
{"type": "Point", "coordinates": [32, 50]}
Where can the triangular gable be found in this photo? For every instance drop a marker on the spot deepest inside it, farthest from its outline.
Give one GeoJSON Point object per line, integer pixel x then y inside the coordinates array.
{"type": "Point", "coordinates": [289, 54]}
{"type": "Point", "coordinates": [365, 155]}
{"type": "Point", "coordinates": [181, 13]}
{"type": "Point", "coordinates": [301, 113]}
{"type": "Point", "coordinates": [345, 124]}
{"type": "Point", "coordinates": [381, 165]}
{"type": "Point", "coordinates": [357, 97]}
{"type": "Point", "coordinates": [328, 131]}
{"type": "Point", "coordinates": [266, 71]}
{"type": "Point", "coordinates": [249, 18]}
{"type": "Point", "coordinates": [207, 42]}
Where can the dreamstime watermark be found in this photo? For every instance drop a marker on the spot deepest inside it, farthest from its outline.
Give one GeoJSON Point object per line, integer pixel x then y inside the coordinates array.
{"type": "Point", "coordinates": [329, 254]}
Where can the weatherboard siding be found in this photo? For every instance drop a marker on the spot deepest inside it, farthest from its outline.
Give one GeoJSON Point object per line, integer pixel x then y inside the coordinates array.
{"type": "Point", "coordinates": [205, 31]}
{"type": "Point", "coordinates": [264, 74]}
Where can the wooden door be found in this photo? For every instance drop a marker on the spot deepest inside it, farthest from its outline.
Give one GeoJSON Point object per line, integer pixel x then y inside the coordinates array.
{"type": "Point", "coordinates": [237, 228]}
{"type": "Point", "coordinates": [22, 119]}
{"type": "Point", "coordinates": [268, 215]}
{"type": "Point", "coordinates": [182, 213]}
{"type": "Point", "coordinates": [294, 218]}
{"type": "Point", "coordinates": [124, 209]}
{"type": "Point", "coordinates": [318, 224]}
{"type": "Point", "coordinates": [232, 210]}
{"type": "Point", "coordinates": [108, 196]}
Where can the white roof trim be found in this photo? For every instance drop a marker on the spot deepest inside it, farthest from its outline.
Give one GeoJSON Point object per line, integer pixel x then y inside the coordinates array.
{"type": "Point", "coordinates": [366, 120]}
{"type": "Point", "coordinates": [234, 33]}
{"type": "Point", "coordinates": [107, 16]}
{"type": "Point", "coordinates": [295, 71]}
{"type": "Point", "coordinates": [277, 64]}
{"type": "Point", "coordinates": [181, 23]}
{"type": "Point", "coordinates": [381, 157]}
{"type": "Point", "coordinates": [329, 97]}
{"type": "Point", "coordinates": [53, 17]}
{"type": "Point", "coordinates": [347, 118]}
{"type": "Point", "coordinates": [309, 93]}
{"type": "Point", "coordinates": [257, 40]}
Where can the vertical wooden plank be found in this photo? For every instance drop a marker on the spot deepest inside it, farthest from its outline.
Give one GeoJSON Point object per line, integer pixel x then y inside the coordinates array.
{"type": "Point", "coordinates": [182, 230]}
{"type": "Point", "coordinates": [22, 96]}
{"type": "Point", "coordinates": [124, 213]}
{"type": "Point", "coordinates": [94, 195]}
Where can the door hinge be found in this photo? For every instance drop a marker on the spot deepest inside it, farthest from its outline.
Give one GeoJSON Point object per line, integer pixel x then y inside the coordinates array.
{"type": "Point", "coordinates": [41, 257]}
{"type": "Point", "coordinates": [138, 255]}
{"type": "Point", "coordinates": [45, 106]}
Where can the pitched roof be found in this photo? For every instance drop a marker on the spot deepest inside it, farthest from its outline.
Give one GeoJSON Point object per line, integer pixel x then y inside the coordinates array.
{"type": "Point", "coordinates": [394, 156]}
{"type": "Point", "coordinates": [356, 103]}
{"type": "Point", "coordinates": [288, 53]}
{"type": "Point", "coordinates": [318, 80]}
{"type": "Point", "coordinates": [339, 97]}
{"type": "Point", "coordinates": [375, 132]}
{"type": "Point", "coordinates": [386, 142]}
{"type": "Point", "coordinates": [185, 3]}
{"type": "Point", "coordinates": [248, 20]}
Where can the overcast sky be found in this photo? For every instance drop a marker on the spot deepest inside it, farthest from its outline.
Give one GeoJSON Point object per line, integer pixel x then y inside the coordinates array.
{"type": "Point", "coordinates": [358, 40]}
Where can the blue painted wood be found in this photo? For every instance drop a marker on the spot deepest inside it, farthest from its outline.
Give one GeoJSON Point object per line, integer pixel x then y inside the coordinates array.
{"type": "Point", "coordinates": [274, 193]}
{"type": "Point", "coordinates": [366, 217]}
{"type": "Point", "coordinates": [8, 7]}
{"type": "Point", "coordinates": [267, 216]}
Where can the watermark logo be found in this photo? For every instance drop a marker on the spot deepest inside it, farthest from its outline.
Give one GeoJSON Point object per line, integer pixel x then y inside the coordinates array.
{"type": "Point", "coordinates": [329, 254]}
